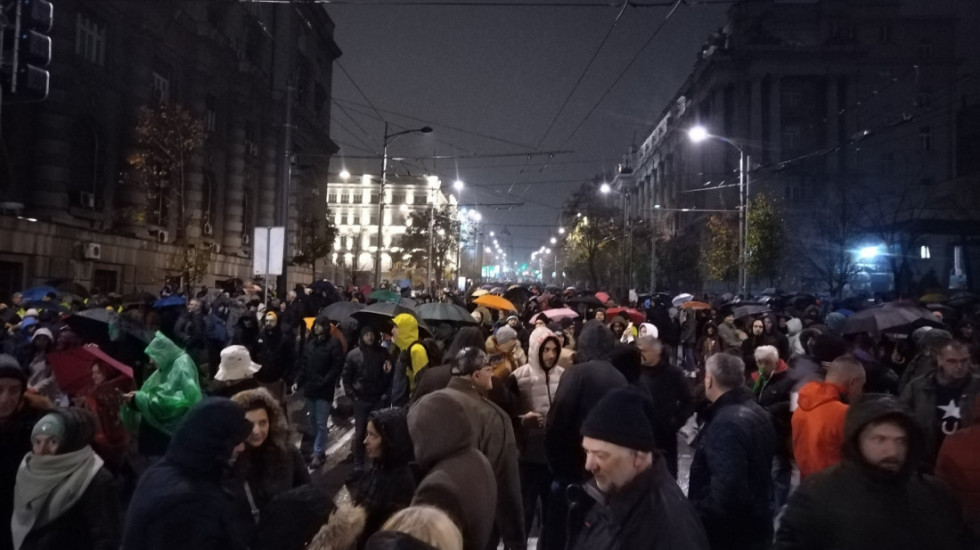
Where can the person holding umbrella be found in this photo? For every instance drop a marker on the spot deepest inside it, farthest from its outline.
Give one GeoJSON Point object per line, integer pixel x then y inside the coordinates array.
{"type": "Point", "coordinates": [320, 369]}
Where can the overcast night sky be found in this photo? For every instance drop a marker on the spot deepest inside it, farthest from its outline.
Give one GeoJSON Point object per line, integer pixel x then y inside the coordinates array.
{"type": "Point", "coordinates": [490, 81]}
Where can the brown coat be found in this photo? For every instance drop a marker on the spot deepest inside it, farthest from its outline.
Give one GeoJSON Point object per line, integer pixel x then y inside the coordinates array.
{"type": "Point", "coordinates": [458, 478]}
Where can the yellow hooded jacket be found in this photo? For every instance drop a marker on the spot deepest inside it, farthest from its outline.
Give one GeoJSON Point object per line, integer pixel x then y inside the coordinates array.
{"type": "Point", "coordinates": [408, 334]}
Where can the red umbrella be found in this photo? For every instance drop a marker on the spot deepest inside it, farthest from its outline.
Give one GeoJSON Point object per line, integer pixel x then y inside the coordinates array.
{"type": "Point", "coordinates": [633, 315]}
{"type": "Point", "coordinates": [73, 367]}
{"type": "Point", "coordinates": [556, 314]}
{"type": "Point", "coordinates": [602, 296]}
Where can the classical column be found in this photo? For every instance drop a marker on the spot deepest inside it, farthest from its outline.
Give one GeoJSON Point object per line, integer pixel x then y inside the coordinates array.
{"type": "Point", "coordinates": [234, 188]}
{"type": "Point", "coordinates": [194, 176]}
{"type": "Point", "coordinates": [267, 184]}
{"type": "Point", "coordinates": [48, 192]}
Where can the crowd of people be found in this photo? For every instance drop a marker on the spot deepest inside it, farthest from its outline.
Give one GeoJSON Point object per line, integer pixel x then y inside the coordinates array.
{"type": "Point", "coordinates": [172, 427]}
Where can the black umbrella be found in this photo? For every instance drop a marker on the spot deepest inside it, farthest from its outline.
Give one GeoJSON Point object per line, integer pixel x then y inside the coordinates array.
{"type": "Point", "coordinates": [893, 316]}
{"type": "Point", "coordinates": [747, 310]}
{"type": "Point", "coordinates": [380, 315]}
{"type": "Point", "coordinates": [341, 310]}
{"type": "Point", "coordinates": [92, 325]}
{"type": "Point", "coordinates": [450, 313]}
{"type": "Point", "coordinates": [590, 301]}
{"type": "Point", "coordinates": [47, 304]}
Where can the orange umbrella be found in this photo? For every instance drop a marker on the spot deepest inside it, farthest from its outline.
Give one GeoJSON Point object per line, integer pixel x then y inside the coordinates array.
{"type": "Point", "coordinates": [695, 305]}
{"type": "Point", "coordinates": [493, 301]}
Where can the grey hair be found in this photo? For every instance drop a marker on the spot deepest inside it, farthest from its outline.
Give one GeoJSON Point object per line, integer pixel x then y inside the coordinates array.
{"type": "Point", "coordinates": [763, 353]}
{"type": "Point", "coordinates": [647, 340]}
{"type": "Point", "coordinates": [728, 370]}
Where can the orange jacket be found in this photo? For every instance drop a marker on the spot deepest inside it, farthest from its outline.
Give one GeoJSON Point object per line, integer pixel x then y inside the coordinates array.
{"type": "Point", "coordinates": [818, 427]}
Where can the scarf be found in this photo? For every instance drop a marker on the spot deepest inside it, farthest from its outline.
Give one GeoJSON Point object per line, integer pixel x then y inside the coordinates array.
{"type": "Point", "coordinates": [48, 486]}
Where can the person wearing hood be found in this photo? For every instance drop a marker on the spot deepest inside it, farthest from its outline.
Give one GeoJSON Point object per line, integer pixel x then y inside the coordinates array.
{"type": "Point", "coordinates": [928, 341]}
{"type": "Point", "coordinates": [367, 380]}
{"type": "Point", "coordinates": [581, 387]}
{"type": "Point", "coordinates": [389, 484]}
{"type": "Point", "coordinates": [943, 400]}
{"type": "Point", "coordinates": [63, 496]}
{"type": "Point", "coordinates": [668, 389]}
{"type": "Point", "coordinates": [874, 498]}
{"type": "Point", "coordinates": [504, 344]}
{"type": "Point", "coordinates": [412, 358]}
{"type": "Point", "coordinates": [437, 377]}
{"type": "Point", "coordinates": [631, 501]}
{"type": "Point", "coordinates": [731, 474]}
{"type": "Point", "coordinates": [536, 384]}
{"type": "Point", "coordinates": [159, 405]}
{"type": "Point", "coordinates": [268, 468]}
{"type": "Point", "coordinates": [180, 501]}
{"type": "Point", "coordinates": [236, 373]}
{"type": "Point", "coordinates": [818, 422]}
{"type": "Point", "coordinates": [320, 370]}
{"type": "Point", "coordinates": [454, 470]}
{"type": "Point", "coordinates": [19, 412]}
{"type": "Point", "coordinates": [42, 380]}
{"type": "Point", "coordinates": [493, 435]}
{"type": "Point", "coordinates": [618, 326]}
{"type": "Point", "coordinates": [729, 333]}
{"type": "Point", "coordinates": [794, 327]}
{"type": "Point", "coordinates": [246, 332]}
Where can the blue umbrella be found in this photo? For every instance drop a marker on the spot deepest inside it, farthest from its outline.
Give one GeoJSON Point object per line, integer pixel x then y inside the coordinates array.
{"type": "Point", "coordinates": [37, 293]}
{"type": "Point", "coordinates": [168, 301]}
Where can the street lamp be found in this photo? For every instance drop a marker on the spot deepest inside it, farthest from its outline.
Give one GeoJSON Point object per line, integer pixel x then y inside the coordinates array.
{"type": "Point", "coordinates": [388, 138]}
{"type": "Point", "coordinates": [604, 188]}
{"type": "Point", "coordinates": [697, 134]}
{"type": "Point", "coordinates": [344, 174]}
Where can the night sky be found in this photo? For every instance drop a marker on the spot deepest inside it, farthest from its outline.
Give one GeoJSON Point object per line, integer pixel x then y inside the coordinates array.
{"type": "Point", "coordinates": [491, 80]}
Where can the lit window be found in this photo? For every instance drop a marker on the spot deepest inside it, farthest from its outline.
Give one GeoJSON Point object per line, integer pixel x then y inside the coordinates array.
{"type": "Point", "coordinates": [90, 40]}
{"type": "Point", "coordinates": [924, 252]}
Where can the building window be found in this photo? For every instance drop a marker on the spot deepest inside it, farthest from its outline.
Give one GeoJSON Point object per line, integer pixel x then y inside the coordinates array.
{"type": "Point", "coordinates": [884, 33]}
{"type": "Point", "coordinates": [925, 48]}
{"type": "Point", "coordinates": [791, 139]}
{"type": "Point", "coordinates": [923, 99]}
{"type": "Point", "coordinates": [210, 113]}
{"type": "Point", "coordinates": [925, 253]}
{"type": "Point", "coordinates": [90, 40]}
{"type": "Point", "coordinates": [792, 97]}
{"type": "Point", "coordinates": [925, 138]}
{"type": "Point", "coordinates": [106, 280]}
{"type": "Point", "coordinates": [161, 87]}
{"type": "Point", "coordinates": [11, 279]}
{"type": "Point", "coordinates": [794, 192]}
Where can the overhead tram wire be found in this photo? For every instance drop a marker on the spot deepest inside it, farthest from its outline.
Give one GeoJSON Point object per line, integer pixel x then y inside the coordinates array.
{"type": "Point", "coordinates": [656, 32]}
{"type": "Point", "coordinates": [484, 4]}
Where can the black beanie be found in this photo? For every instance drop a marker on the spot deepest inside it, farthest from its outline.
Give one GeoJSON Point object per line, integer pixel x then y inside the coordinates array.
{"type": "Point", "coordinates": [10, 368]}
{"type": "Point", "coordinates": [623, 417]}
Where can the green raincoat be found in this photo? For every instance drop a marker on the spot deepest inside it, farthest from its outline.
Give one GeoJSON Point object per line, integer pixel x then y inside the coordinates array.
{"type": "Point", "coordinates": [171, 390]}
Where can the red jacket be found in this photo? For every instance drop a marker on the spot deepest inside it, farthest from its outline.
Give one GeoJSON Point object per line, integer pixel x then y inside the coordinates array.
{"type": "Point", "coordinates": [959, 466]}
{"type": "Point", "coordinates": [818, 427]}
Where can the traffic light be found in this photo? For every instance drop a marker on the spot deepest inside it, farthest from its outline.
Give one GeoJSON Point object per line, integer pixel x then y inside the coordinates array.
{"type": "Point", "coordinates": [30, 48]}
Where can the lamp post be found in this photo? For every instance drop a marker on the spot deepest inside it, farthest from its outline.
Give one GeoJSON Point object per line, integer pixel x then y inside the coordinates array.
{"type": "Point", "coordinates": [388, 138]}
{"type": "Point", "coordinates": [698, 134]}
{"type": "Point", "coordinates": [605, 188]}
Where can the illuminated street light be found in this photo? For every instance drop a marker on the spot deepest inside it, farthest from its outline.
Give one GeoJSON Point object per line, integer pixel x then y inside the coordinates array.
{"type": "Point", "coordinates": [561, 230]}
{"type": "Point", "coordinates": [605, 188]}
{"type": "Point", "coordinates": [458, 185]}
{"type": "Point", "coordinates": [698, 134]}
{"type": "Point", "coordinates": [344, 174]}
{"type": "Point", "coordinates": [554, 240]}
{"type": "Point", "coordinates": [868, 253]}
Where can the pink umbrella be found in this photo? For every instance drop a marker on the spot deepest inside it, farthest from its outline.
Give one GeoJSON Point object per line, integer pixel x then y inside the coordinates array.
{"type": "Point", "coordinates": [602, 297]}
{"type": "Point", "coordinates": [556, 314]}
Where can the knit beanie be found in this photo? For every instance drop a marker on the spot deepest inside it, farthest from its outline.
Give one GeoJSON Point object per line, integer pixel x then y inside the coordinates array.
{"type": "Point", "coordinates": [623, 417]}
{"type": "Point", "coordinates": [10, 368]}
{"type": "Point", "coordinates": [50, 424]}
{"type": "Point", "coordinates": [505, 334]}
{"type": "Point", "coordinates": [42, 332]}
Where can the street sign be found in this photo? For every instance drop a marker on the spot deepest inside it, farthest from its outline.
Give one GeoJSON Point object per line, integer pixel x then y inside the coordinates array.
{"type": "Point", "coordinates": [267, 247]}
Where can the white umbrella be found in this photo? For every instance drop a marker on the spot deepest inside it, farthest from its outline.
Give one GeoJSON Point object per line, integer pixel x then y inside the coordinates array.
{"type": "Point", "coordinates": [681, 299]}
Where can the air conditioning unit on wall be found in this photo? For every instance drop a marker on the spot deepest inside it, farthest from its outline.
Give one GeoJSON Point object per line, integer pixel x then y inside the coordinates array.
{"type": "Point", "coordinates": [92, 251]}
{"type": "Point", "coordinates": [87, 200]}
{"type": "Point", "coordinates": [163, 236]}
{"type": "Point", "coordinates": [207, 229]}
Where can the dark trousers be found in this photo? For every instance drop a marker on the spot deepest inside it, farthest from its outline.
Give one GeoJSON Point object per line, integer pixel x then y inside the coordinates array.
{"type": "Point", "coordinates": [536, 482]}
{"type": "Point", "coordinates": [555, 522]}
{"type": "Point", "coordinates": [362, 409]}
{"type": "Point", "coordinates": [782, 478]}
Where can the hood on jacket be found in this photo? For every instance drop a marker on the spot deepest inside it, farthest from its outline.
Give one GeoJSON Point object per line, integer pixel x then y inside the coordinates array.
{"type": "Point", "coordinates": [408, 330]}
{"type": "Point", "coordinates": [627, 360]}
{"type": "Point", "coordinates": [466, 337]}
{"type": "Point", "coordinates": [651, 329]}
{"type": "Point", "coordinates": [439, 428]}
{"type": "Point", "coordinates": [163, 351]}
{"type": "Point", "coordinates": [535, 345]}
{"type": "Point", "coordinates": [341, 531]}
{"type": "Point", "coordinates": [261, 398]}
{"type": "Point", "coordinates": [396, 443]}
{"type": "Point", "coordinates": [618, 319]}
{"type": "Point", "coordinates": [794, 326]}
{"type": "Point", "coordinates": [365, 330]}
{"type": "Point", "coordinates": [80, 426]}
{"type": "Point", "coordinates": [595, 342]}
{"type": "Point", "coordinates": [207, 435]}
{"type": "Point", "coordinates": [816, 393]}
{"type": "Point", "coordinates": [876, 408]}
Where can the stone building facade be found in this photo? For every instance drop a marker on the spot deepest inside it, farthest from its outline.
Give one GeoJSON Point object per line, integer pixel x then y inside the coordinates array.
{"type": "Point", "coordinates": [65, 209]}
{"type": "Point", "coordinates": [835, 102]}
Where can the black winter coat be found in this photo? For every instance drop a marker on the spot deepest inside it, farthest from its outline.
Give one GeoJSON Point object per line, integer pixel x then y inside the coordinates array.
{"type": "Point", "coordinates": [179, 502]}
{"type": "Point", "coordinates": [15, 442]}
{"type": "Point", "coordinates": [853, 506]}
{"type": "Point", "coordinates": [91, 524]}
{"type": "Point", "coordinates": [581, 388]}
{"type": "Point", "coordinates": [274, 351]}
{"type": "Point", "coordinates": [731, 474]}
{"type": "Point", "coordinates": [364, 372]}
{"type": "Point", "coordinates": [670, 392]}
{"type": "Point", "coordinates": [650, 513]}
{"type": "Point", "coordinates": [320, 367]}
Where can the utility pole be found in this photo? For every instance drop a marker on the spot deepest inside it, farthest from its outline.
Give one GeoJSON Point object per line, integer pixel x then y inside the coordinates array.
{"type": "Point", "coordinates": [282, 215]}
{"type": "Point", "coordinates": [428, 272]}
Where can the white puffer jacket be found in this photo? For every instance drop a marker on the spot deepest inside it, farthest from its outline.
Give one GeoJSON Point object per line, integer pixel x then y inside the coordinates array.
{"type": "Point", "coordinates": [536, 388]}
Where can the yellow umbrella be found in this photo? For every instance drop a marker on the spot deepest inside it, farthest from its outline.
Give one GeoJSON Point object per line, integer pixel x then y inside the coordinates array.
{"type": "Point", "coordinates": [493, 301]}
{"type": "Point", "coordinates": [933, 297]}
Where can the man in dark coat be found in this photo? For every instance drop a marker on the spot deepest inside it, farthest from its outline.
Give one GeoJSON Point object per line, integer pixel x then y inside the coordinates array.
{"type": "Point", "coordinates": [190, 332]}
{"type": "Point", "coordinates": [632, 501]}
{"type": "Point", "coordinates": [319, 371]}
{"type": "Point", "coordinates": [731, 479]}
{"type": "Point", "coordinates": [668, 389]}
{"type": "Point", "coordinates": [274, 352]}
{"type": "Point", "coordinates": [874, 498]}
{"type": "Point", "coordinates": [581, 387]}
{"type": "Point", "coordinates": [19, 412]}
{"type": "Point", "coordinates": [179, 502]}
{"type": "Point", "coordinates": [458, 478]}
{"type": "Point", "coordinates": [367, 380]}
